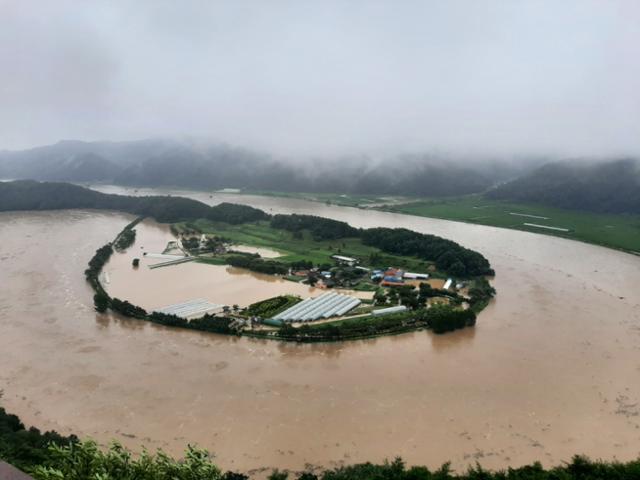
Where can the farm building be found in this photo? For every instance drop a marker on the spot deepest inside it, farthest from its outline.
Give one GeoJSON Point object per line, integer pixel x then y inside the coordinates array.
{"type": "Point", "coordinates": [392, 277]}
{"type": "Point", "coordinates": [325, 306]}
{"type": "Point", "coordinates": [345, 260]}
{"type": "Point", "coordinates": [416, 276]}
{"type": "Point", "coordinates": [191, 309]}
{"type": "Point", "coordinates": [389, 310]}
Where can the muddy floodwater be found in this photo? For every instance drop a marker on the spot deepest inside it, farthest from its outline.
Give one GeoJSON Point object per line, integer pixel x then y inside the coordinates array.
{"type": "Point", "coordinates": [159, 287]}
{"type": "Point", "coordinates": [551, 369]}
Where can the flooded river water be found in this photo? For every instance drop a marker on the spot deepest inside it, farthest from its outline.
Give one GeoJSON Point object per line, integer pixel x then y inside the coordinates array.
{"type": "Point", "coordinates": [551, 369]}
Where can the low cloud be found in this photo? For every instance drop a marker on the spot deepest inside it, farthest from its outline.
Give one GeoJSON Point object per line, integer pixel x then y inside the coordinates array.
{"type": "Point", "coordinates": [327, 78]}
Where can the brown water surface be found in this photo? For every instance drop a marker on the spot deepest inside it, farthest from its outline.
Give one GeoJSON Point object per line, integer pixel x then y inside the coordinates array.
{"type": "Point", "coordinates": [551, 369]}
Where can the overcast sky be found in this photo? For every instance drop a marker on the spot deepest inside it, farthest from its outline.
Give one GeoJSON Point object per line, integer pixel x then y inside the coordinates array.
{"type": "Point", "coordinates": [326, 77]}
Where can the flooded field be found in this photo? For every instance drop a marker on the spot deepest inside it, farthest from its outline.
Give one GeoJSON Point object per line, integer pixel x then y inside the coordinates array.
{"type": "Point", "coordinates": [551, 369]}
{"type": "Point", "coordinates": [158, 287]}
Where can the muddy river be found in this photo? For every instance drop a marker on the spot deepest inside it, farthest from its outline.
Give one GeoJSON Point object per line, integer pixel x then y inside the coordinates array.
{"type": "Point", "coordinates": [551, 369]}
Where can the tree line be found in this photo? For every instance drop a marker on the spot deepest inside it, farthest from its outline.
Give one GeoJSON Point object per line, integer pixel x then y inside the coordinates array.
{"type": "Point", "coordinates": [320, 228]}
{"type": "Point", "coordinates": [30, 195]}
{"type": "Point", "coordinates": [448, 255]}
{"type": "Point", "coordinates": [439, 318]}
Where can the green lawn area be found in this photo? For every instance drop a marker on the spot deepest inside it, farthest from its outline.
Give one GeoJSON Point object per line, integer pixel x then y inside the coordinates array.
{"type": "Point", "coordinates": [614, 231]}
{"type": "Point", "coordinates": [260, 234]}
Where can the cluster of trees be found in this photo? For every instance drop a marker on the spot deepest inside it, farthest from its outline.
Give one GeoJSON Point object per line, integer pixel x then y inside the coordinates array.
{"type": "Point", "coordinates": [25, 448]}
{"type": "Point", "coordinates": [125, 239]}
{"type": "Point", "coordinates": [319, 227]}
{"type": "Point", "coordinates": [127, 236]}
{"type": "Point", "coordinates": [102, 256]}
{"type": "Point", "coordinates": [257, 264]}
{"type": "Point", "coordinates": [447, 254]}
{"type": "Point", "coordinates": [127, 309]}
{"type": "Point", "coordinates": [608, 187]}
{"type": "Point", "coordinates": [480, 292]}
{"type": "Point", "coordinates": [445, 318]}
{"type": "Point", "coordinates": [30, 195]}
{"type": "Point", "coordinates": [351, 329]}
{"type": "Point", "coordinates": [440, 318]}
{"type": "Point", "coordinates": [206, 323]}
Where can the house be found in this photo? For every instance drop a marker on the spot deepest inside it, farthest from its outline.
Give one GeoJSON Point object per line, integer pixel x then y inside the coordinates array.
{"type": "Point", "coordinates": [416, 276]}
{"type": "Point", "coordinates": [392, 277]}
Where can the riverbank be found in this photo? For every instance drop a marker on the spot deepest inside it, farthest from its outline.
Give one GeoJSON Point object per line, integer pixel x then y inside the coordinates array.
{"type": "Point", "coordinates": [616, 231]}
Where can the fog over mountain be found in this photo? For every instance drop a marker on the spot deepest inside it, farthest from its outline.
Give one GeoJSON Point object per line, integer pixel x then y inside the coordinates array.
{"type": "Point", "coordinates": [192, 164]}
{"type": "Point", "coordinates": [305, 80]}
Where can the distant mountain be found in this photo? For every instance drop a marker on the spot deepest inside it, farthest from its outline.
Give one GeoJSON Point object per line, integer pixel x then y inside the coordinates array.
{"type": "Point", "coordinates": [611, 187]}
{"type": "Point", "coordinates": [204, 166]}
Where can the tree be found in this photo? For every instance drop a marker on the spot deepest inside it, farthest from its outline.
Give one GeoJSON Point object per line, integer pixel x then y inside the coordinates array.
{"type": "Point", "coordinates": [312, 278]}
{"type": "Point", "coordinates": [101, 301]}
{"type": "Point", "coordinates": [380, 297]}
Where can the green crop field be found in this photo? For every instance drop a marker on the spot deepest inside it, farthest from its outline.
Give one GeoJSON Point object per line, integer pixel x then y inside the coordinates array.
{"type": "Point", "coordinates": [260, 234]}
{"type": "Point", "coordinates": [621, 232]}
{"type": "Point", "coordinates": [614, 231]}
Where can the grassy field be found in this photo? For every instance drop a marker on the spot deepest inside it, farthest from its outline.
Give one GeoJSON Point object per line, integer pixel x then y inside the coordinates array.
{"type": "Point", "coordinates": [260, 234]}
{"type": "Point", "coordinates": [614, 231]}
{"type": "Point", "coordinates": [621, 232]}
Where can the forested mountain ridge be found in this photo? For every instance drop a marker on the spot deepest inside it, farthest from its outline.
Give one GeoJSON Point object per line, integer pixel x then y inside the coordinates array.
{"type": "Point", "coordinates": [172, 163]}
{"type": "Point", "coordinates": [606, 187]}
{"type": "Point", "coordinates": [32, 195]}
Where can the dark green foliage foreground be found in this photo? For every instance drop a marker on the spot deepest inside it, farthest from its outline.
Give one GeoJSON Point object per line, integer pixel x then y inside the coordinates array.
{"type": "Point", "coordinates": [23, 447]}
{"type": "Point", "coordinates": [51, 457]}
